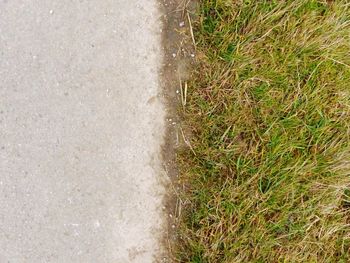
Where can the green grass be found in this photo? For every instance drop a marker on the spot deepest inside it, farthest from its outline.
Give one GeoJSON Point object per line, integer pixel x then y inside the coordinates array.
{"type": "Point", "coordinates": [267, 117]}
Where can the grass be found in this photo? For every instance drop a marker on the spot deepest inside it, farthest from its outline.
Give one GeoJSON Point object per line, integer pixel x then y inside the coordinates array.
{"type": "Point", "coordinates": [267, 116]}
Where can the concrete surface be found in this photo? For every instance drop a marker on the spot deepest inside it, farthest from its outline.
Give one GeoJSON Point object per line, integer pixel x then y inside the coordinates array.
{"type": "Point", "coordinates": [80, 131]}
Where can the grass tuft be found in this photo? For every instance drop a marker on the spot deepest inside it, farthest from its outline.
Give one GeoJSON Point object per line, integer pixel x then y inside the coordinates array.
{"type": "Point", "coordinates": [268, 113]}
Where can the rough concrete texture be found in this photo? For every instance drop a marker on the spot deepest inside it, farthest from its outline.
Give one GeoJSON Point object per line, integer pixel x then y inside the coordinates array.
{"type": "Point", "coordinates": [81, 125]}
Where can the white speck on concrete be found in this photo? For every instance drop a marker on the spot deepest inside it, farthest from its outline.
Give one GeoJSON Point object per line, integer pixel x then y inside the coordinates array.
{"type": "Point", "coordinates": [97, 224]}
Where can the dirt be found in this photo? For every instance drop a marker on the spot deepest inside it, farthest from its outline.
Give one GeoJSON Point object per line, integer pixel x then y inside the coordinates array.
{"type": "Point", "coordinates": [178, 57]}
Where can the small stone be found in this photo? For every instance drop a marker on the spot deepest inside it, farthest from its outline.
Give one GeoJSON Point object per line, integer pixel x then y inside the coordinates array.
{"type": "Point", "coordinates": [51, 12]}
{"type": "Point", "coordinates": [182, 24]}
{"type": "Point", "coordinates": [174, 55]}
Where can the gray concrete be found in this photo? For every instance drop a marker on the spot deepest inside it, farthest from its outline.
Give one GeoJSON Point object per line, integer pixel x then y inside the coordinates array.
{"type": "Point", "coordinates": [81, 125]}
